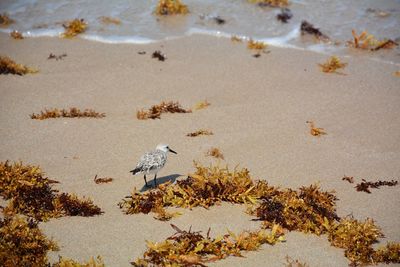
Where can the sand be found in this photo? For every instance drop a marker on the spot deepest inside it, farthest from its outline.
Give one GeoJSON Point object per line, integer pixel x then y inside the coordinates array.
{"type": "Point", "coordinates": [258, 113]}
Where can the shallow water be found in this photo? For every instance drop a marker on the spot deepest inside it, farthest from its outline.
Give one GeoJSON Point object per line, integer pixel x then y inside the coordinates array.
{"type": "Point", "coordinates": [139, 25]}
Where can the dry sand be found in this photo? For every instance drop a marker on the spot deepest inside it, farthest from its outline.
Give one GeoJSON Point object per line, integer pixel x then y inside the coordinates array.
{"type": "Point", "coordinates": [258, 111]}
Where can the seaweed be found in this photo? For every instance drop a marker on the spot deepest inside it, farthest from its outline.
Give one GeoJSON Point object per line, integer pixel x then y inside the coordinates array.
{"type": "Point", "coordinates": [215, 152]}
{"type": "Point", "coordinates": [22, 243]}
{"type": "Point", "coordinates": [104, 180]}
{"type": "Point", "coordinates": [369, 42]}
{"type": "Point", "coordinates": [332, 64]}
{"type": "Point", "coordinates": [201, 105]}
{"type": "Point", "coordinates": [74, 27]}
{"type": "Point", "coordinates": [200, 132]}
{"type": "Point", "coordinates": [191, 248]}
{"type": "Point", "coordinates": [159, 55]}
{"type": "Point", "coordinates": [8, 66]}
{"type": "Point", "coordinates": [110, 20]}
{"type": "Point", "coordinates": [251, 44]}
{"type": "Point", "coordinates": [5, 20]}
{"type": "Point", "coordinates": [63, 113]}
{"type": "Point", "coordinates": [64, 262]}
{"type": "Point", "coordinates": [170, 7]}
{"type": "Point", "coordinates": [364, 186]}
{"type": "Point", "coordinates": [30, 193]}
{"type": "Point", "coordinates": [271, 3]}
{"type": "Point", "coordinates": [397, 73]}
{"type": "Point", "coordinates": [219, 20]}
{"type": "Point", "coordinates": [16, 35]}
{"type": "Point", "coordinates": [316, 131]}
{"type": "Point", "coordinates": [154, 112]}
{"type": "Point", "coordinates": [56, 57]}
{"type": "Point", "coordinates": [294, 263]}
{"type": "Point", "coordinates": [348, 179]}
{"type": "Point", "coordinates": [285, 15]}
{"type": "Point", "coordinates": [308, 28]}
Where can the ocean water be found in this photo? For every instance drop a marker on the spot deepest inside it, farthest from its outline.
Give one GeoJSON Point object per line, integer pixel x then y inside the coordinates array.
{"type": "Point", "coordinates": [139, 24]}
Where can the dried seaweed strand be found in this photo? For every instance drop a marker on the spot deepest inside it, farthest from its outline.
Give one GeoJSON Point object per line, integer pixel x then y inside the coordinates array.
{"type": "Point", "coordinates": [256, 45]}
{"type": "Point", "coordinates": [63, 113]}
{"type": "Point", "coordinates": [365, 186]}
{"type": "Point", "coordinates": [8, 66]}
{"type": "Point", "coordinates": [316, 131]}
{"type": "Point", "coordinates": [308, 28]}
{"type": "Point", "coordinates": [170, 7]}
{"type": "Point", "coordinates": [200, 132]}
{"type": "Point", "coordinates": [189, 248]}
{"type": "Point", "coordinates": [104, 180]}
{"type": "Point", "coordinates": [368, 41]}
{"type": "Point", "coordinates": [215, 152]}
{"type": "Point", "coordinates": [30, 193]}
{"type": "Point", "coordinates": [74, 27]}
{"type": "Point", "coordinates": [16, 35]}
{"type": "Point", "coordinates": [332, 65]}
{"type": "Point", "coordinates": [5, 20]}
{"type": "Point", "coordinates": [271, 3]}
{"type": "Point", "coordinates": [164, 107]}
{"type": "Point", "coordinates": [348, 179]}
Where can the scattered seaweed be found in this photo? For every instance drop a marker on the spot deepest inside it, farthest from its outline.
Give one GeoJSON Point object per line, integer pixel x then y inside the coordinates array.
{"type": "Point", "coordinates": [332, 64]}
{"type": "Point", "coordinates": [63, 113]}
{"type": "Point", "coordinates": [16, 35]}
{"type": "Point", "coordinates": [294, 263]}
{"type": "Point", "coordinates": [5, 20]}
{"type": "Point", "coordinates": [56, 57]}
{"type": "Point", "coordinates": [308, 28]}
{"type": "Point", "coordinates": [109, 20]}
{"type": "Point", "coordinates": [255, 45]}
{"type": "Point", "coordinates": [316, 131]}
{"type": "Point", "coordinates": [104, 180]}
{"type": "Point", "coordinates": [8, 66]}
{"type": "Point", "coordinates": [271, 3]}
{"type": "Point", "coordinates": [365, 186]}
{"type": "Point", "coordinates": [201, 105]}
{"type": "Point", "coordinates": [170, 7]}
{"type": "Point", "coordinates": [64, 262]}
{"type": "Point", "coordinates": [164, 107]}
{"type": "Point", "coordinates": [30, 193]}
{"type": "Point", "coordinates": [215, 152]}
{"type": "Point", "coordinates": [369, 42]}
{"type": "Point", "coordinates": [348, 179]}
{"type": "Point", "coordinates": [200, 132]}
{"type": "Point", "coordinates": [74, 27]}
{"type": "Point", "coordinates": [190, 248]}
{"type": "Point", "coordinates": [397, 73]}
{"type": "Point", "coordinates": [22, 243]}
{"type": "Point", "coordinates": [159, 55]}
{"type": "Point", "coordinates": [285, 15]}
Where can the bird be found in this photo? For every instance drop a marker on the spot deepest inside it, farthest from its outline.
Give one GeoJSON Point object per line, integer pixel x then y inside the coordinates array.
{"type": "Point", "coordinates": [152, 162]}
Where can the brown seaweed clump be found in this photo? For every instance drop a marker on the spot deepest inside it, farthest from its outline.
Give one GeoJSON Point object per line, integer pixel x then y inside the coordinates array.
{"type": "Point", "coordinates": [365, 186]}
{"type": "Point", "coordinates": [332, 64]}
{"type": "Point", "coordinates": [315, 131]}
{"type": "Point", "coordinates": [255, 45]}
{"type": "Point", "coordinates": [63, 113]}
{"type": "Point", "coordinates": [16, 35]}
{"type": "Point", "coordinates": [200, 132]}
{"type": "Point", "coordinates": [5, 20]}
{"type": "Point", "coordinates": [285, 15]}
{"type": "Point", "coordinates": [308, 28]}
{"type": "Point", "coordinates": [8, 66]}
{"type": "Point", "coordinates": [56, 57]}
{"type": "Point", "coordinates": [164, 107]}
{"type": "Point", "coordinates": [22, 243]}
{"type": "Point", "coordinates": [104, 180]}
{"type": "Point", "coordinates": [170, 7]}
{"type": "Point", "coordinates": [271, 3]}
{"type": "Point", "coordinates": [74, 27]}
{"type": "Point", "coordinates": [215, 152]}
{"type": "Point", "coordinates": [64, 262]}
{"type": "Point", "coordinates": [201, 105]}
{"type": "Point", "coordinates": [208, 186]}
{"type": "Point", "coordinates": [189, 248]}
{"type": "Point", "coordinates": [30, 193]}
{"type": "Point", "coordinates": [369, 42]}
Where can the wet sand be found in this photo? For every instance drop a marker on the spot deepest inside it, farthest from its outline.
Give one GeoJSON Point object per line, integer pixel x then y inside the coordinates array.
{"type": "Point", "coordinates": [258, 113]}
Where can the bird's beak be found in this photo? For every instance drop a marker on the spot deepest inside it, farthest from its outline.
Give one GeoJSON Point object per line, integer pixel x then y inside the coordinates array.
{"type": "Point", "coordinates": [170, 150]}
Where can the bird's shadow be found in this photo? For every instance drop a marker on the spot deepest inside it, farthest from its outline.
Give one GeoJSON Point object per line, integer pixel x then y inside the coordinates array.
{"type": "Point", "coordinates": [160, 180]}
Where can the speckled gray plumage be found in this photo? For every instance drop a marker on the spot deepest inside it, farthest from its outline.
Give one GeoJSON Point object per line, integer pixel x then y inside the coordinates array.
{"type": "Point", "coordinates": [151, 162]}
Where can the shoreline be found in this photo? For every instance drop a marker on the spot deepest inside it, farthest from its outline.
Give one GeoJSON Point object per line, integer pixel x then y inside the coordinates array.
{"type": "Point", "coordinates": [258, 113]}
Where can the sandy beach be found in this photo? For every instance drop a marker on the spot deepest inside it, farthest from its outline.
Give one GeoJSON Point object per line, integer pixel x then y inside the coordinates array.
{"type": "Point", "coordinates": [258, 113]}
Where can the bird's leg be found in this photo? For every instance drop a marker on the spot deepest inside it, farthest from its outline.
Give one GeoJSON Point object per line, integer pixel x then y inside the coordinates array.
{"type": "Point", "coordinates": [145, 181]}
{"type": "Point", "coordinates": [155, 180]}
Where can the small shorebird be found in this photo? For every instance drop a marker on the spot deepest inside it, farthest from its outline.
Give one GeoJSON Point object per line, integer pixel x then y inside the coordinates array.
{"type": "Point", "coordinates": [152, 162]}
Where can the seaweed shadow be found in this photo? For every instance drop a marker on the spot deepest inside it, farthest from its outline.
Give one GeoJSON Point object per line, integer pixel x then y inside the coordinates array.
{"type": "Point", "coordinates": [160, 180]}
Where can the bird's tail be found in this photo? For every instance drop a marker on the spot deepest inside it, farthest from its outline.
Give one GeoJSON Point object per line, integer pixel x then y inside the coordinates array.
{"type": "Point", "coordinates": [134, 171]}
